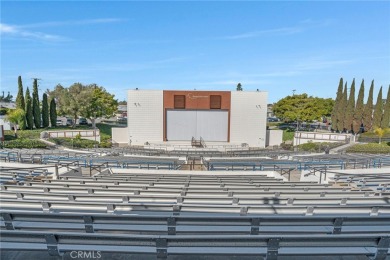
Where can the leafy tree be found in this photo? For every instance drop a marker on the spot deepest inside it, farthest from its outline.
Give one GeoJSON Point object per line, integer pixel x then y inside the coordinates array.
{"type": "Point", "coordinates": [3, 111]}
{"type": "Point", "coordinates": [386, 111]}
{"type": "Point", "coordinates": [124, 102]}
{"type": "Point", "coordinates": [7, 99]}
{"type": "Point", "coordinates": [303, 108]}
{"type": "Point", "coordinates": [20, 98]}
{"type": "Point", "coordinates": [53, 113]}
{"type": "Point", "coordinates": [16, 117]}
{"type": "Point", "coordinates": [377, 118]}
{"type": "Point", "coordinates": [35, 105]}
{"type": "Point", "coordinates": [89, 101]}
{"type": "Point", "coordinates": [348, 116]}
{"type": "Point", "coordinates": [102, 104]}
{"type": "Point", "coordinates": [367, 113]}
{"type": "Point", "coordinates": [45, 111]}
{"type": "Point", "coordinates": [239, 87]}
{"type": "Point", "coordinates": [335, 113]}
{"type": "Point", "coordinates": [70, 100]}
{"type": "Point", "coordinates": [28, 110]}
{"type": "Point", "coordinates": [358, 115]}
{"type": "Point", "coordinates": [341, 109]}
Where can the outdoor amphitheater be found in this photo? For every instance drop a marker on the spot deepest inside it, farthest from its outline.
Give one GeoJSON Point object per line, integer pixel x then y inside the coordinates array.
{"type": "Point", "coordinates": [155, 203]}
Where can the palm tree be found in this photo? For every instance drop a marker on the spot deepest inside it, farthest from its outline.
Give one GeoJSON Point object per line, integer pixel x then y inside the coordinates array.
{"type": "Point", "coordinates": [16, 117]}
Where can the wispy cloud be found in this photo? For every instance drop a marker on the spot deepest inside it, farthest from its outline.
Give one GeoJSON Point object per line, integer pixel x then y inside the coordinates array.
{"type": "Point", "coordinates": [288, 30]}
{"type": "Point", "coordinates": [15, 31]}
{"type": "Point", "coordinates": [278, 31]}
{"type": "Point", "coordinates": [72, 22]}
{"type": "Point", "coordinates": [24, 31]}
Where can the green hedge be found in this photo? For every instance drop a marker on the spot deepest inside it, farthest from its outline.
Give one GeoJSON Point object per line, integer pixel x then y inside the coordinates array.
{"type": "Point", "coordinates": [74, 143]}
{"type": "Point", "coordinates": [369, 148]}
{"type": "Point", "coordinates": [24, 143]}
{"type": "Point", "coordinates": [317, 147]}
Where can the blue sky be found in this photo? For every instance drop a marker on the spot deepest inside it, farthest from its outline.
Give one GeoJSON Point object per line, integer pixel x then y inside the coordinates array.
{"type": "Point", "coordinates": [271, 46]}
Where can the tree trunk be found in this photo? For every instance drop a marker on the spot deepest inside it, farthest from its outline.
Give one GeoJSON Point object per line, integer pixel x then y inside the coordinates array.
{"type": "Point", "coordinates": [74, 121]}
{"type": "Point", "coordinates": [93, 121]}
{"type": "Point", "coordinates": [16, 130]}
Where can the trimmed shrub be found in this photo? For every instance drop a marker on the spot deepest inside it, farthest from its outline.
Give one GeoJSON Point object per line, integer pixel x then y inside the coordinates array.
{"type": "Point", "coordinates": [74, 143]}
{"type": "Point", "coordinates": [317, 147]}
{"type": "Point", "coordinates": [288, 147]}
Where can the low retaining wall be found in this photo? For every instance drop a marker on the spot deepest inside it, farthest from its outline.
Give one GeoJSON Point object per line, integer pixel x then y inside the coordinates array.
{"type": "Point", "coordinates": [315, 137]}
{"type": "Point", "coordinates": [92, 134]}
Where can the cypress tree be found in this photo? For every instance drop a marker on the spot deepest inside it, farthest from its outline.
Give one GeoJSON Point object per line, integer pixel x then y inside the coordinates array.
{"type": "Point", "coordinates": [20, 98]}
{"type": "Point", "coordinates": [28, 109]}
{"type": "Point", "coordinates": [45, 111]}
{"type": "Point", "coordinates": [378, 112]}
{"type": "Point", "coordinates": [339, 95]}
{"type": "Point", "coordinates": [367, 113]}
{"type": "Point", "coordinates": [53, 113]}
{"type": "Point", "coordinates": [350, 108]}
{"type": "Point", "coordinates": [358, 115]}
{"type": "Point", "coordinates": [341, 109]}
{"type": "Point", "coordinates": [35, 105]}
{"type": "Point", "coordinates": [386, 111]}
{"type": "Point", "coordinates": [20, 102]}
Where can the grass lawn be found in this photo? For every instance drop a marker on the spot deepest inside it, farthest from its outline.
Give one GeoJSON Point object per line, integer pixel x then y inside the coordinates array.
{"type": "Point", "coordinates": [288, 135]}
{"type": "Point", "coordinates": [373, 135]}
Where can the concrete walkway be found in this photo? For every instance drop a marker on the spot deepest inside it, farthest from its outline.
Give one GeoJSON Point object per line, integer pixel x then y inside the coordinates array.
{"type": "Point", "coordinates": [339, 149]}
{"type": "Point", "coordinates": [48, 143]}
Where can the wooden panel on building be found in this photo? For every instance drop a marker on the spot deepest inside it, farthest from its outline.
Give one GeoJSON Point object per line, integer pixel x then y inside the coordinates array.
{"type": "Point", "coordinates": [215, 102]}
{"type": "Point", "coordinates": [180, 102]}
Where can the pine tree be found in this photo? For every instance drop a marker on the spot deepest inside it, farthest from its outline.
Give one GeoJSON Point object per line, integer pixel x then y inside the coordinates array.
{"type": "Point", "coordinates": [341, 109]}
{"type": "Point", "coordinates": [378, 112]}
{"type": "Point", "coordinates": [339, 95]}
{"type": "Point", "coordinates": [239, 87]}
{"type": "Point", "coordinates": [350, 108]}
{"type": "Point", "coordinates": [28, 109]}
{"type": "Point", "coordinates": [45, 111]}
{"type": "Point", "coordinates": [53, 113]}
{"type": "Point", "coordinates": [35, 105]}
{"type": "Point", "coordinates": [20, 102]}
{"type": "Point", "coordinates": [358, 114]}
{"type": "Point", "coordinates": [367, 113]}
{"type": "Point", "coordinates": [386, 111]}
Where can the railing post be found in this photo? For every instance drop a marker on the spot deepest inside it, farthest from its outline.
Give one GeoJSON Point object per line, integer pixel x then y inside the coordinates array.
{"type": "Point", "coordinates": [56, 172]}
{"type": "Point", "coordinates": [382, 248]}
{"type": "Point", "coordinates": [272, 248]}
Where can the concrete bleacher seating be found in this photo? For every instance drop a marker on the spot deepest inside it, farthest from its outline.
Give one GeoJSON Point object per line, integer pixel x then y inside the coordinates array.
{"type": "Point", "coordinates": [179, 213]}
{"type": "Point", "coordinates": [166, 212]}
